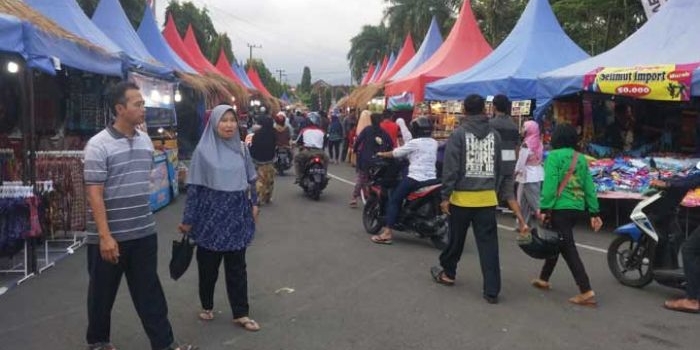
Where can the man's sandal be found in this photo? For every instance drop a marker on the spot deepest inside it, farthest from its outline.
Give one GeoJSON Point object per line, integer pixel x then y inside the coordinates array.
{"type": "Point", "coordinates": [247, 323]}
{"type": "Point", "coordinates": [440, 277]}
{"type": "Point", "coordinates": [206, 315]}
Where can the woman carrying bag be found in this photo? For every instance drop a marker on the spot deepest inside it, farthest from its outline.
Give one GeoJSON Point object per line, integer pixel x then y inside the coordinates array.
{"type": "Point", "coordinates": [220, 213]}
{"type": "Point", "coordinates": [567, 193]}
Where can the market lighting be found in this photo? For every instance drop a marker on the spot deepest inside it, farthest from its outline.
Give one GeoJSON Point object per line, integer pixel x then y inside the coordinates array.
{"type": "Point", "coordinates": [233, 99]}
{"type": "Point", "coordinates": [235, 108]}
{"type": "Point", "coordinates": [166, 99]}
{"type": "Point", "coordinates": [161, 130]}
{"type": "Point", "coordinates": [178, 97]}
{"type": "Point", "coordinates": [155, 96]}
{"type": "Point", "coordinates": [12, 67]}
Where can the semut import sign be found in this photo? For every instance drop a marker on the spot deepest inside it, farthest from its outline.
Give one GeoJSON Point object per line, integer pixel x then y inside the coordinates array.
{"type": "Point", "coordinates": [668, 82]}
{"type": "Point", "coordinates": [652, 6]}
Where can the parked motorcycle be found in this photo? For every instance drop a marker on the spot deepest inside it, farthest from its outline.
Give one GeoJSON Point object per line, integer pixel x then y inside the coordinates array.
{"type": "Point", "coordinates": [420, 213]}
{"type": "Point", "coordinates": [283, 159]}
{"type": "Point", "coordinates": [315, 178]}
{"type": "Point", "coordinates": [647, 249]}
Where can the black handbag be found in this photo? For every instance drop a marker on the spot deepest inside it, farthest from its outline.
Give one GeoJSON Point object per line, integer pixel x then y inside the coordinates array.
{"type": "Point", "coordinates": [181, 257]}
{"type": "Point", "coordinates": [543, 242]}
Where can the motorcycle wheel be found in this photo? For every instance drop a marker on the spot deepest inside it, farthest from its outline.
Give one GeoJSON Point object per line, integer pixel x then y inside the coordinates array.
{"type": "Point", "coordinates": [370, 216]}
{"type": "Point", "coordinates": [630, 262]}
{"type": "Point", "coordinates": [440, 238]}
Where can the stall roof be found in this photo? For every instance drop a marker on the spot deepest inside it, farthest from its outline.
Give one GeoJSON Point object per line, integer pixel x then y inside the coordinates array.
{"type": "Point", "coordinates": [195, 51]}
{"type": "Point", "coordinates": [536, 45]}
{"type": "Point", "coordinates": [368, 75]}
{"type": "Point", "coordinates": [431, 43]}
{"type": "Point", "coordinates": [382, 68]}
{"type": "Point", "coordinates": [255, 79]}
{"type": "Point", "coordinates": [406, 54]}
{"type": "Point", "coordinates": [669, 37]}
{"type": "Point", "coordinates": [157, 46]}
{"type": "Point", "coordinates": [243, 75]}
{"type": "Point", "coordinates": [463, 48]}
{"type": "Point", "coordinates": [172, 37]}
{"type": "Point", "coordinates": [223, 66]}
{"type": "Point", "coordinates": [389, 66]}
{"type": "Point", "coordinates": [109, 17]}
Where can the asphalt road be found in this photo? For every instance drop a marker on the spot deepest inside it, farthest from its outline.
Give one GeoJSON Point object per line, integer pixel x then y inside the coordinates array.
{"type": "Point", "coordinates": [317, 282]}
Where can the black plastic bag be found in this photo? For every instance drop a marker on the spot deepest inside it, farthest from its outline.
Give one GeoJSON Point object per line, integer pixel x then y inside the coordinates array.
{"type": "Point", "coordinates": [541, 243]}
{"type": "Point", "coordinates": [181, 257]}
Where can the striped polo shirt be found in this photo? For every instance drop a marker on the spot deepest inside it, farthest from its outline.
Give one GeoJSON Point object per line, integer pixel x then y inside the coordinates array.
{"type": "Point", "coordinates": [123, 166]}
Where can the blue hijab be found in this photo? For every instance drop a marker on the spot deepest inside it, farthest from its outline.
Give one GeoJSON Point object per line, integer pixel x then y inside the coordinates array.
{"type": "Point", "coordinates": [218, 164]}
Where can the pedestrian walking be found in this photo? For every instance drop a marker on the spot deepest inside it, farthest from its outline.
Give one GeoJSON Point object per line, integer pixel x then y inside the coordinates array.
{"type": "Point", "coordinates": [349, 125]}
{"type": "Point", "coordinates": [566, 169]}
{"type": "Point", "coordinates": [370, 140]}
{"type": "Point", "coordinates": [121, 236]}
{"type": "Point", "coordinates": [335, 137]}
{"type": "Point", "coordinates": [470, 172]}
{"type": "Point", "coordinates": [262, 150]}
{"type": "Point", "coordinates": [529, 173]}
{"type": "Point", "coordinates": [220, 213]}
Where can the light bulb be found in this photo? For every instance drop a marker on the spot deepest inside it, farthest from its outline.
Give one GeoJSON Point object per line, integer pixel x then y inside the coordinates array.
{"type": "Point", "coordinates": [178, 97]}
{"type": "Point", "coordinates": [12, 67]}
{"type": "Point", "coordinates": [155, 96]}
{"type": "Point", "coordinates": [166, 99]}
{"type": "Point", "coordinates": [161, 130]}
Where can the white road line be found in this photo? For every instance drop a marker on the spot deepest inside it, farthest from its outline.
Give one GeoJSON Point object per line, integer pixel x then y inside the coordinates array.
{"type": "Point", "coordinates": [509, 228]}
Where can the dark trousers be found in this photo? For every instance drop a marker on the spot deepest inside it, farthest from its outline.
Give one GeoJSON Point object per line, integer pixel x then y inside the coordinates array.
{"type": "Point", "coordinates": [334, 149]}
{"type": "Point", "coordinates": [393, 207]}
{"type": "Point", "coordinates": [344, 153]}
{"type": "Point", "coordinates": [138, 262]}
{"type": "Point", "coordinates": [208, 263]}
{"type": "Point", "coordinates": [691, 265]}
{"type": "Point", "coordinates": [483, 221]}
{"type": "Point", "coordinates": [563, 222]}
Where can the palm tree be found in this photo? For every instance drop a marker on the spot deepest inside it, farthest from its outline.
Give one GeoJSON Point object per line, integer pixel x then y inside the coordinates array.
{"type": "Point", "coordinates": [369, 45]}
{"type": "Point", "coordinates": [413, 16]}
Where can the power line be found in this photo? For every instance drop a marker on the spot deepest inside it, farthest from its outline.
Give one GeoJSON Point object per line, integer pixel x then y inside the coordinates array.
{"type": "Point", "coordinates": [251, 47]}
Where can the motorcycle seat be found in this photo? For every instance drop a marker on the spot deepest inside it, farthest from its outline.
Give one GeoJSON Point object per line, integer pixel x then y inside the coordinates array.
{"type": "Point", "coordinates": [423, 191]}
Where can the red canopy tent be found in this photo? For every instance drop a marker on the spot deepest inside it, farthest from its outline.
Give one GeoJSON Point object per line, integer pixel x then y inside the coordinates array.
{"type": "Point", "coordinates": [369, 75]}
{"type": "Point", "coordinates": [173, 38]}
{"type": "Point", "coordinates": [192, 46]}
{"type": "Point", "coordinates": [224, 66]}
{"type": "Point", "coordinates": [464, 47]}
{"type": "Point", "coordinates": [407, 52]}
{"type": "Point", "coordinates": [255, 79]}
{"type": "Point", "coordinates": [382, 68]}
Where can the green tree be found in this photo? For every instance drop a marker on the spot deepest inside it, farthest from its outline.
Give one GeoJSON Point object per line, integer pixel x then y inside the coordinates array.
{"type": "Point", "coordinates": [370, 45]}
{"type": "Point", "coordinates": [497, 17]}
{"type": "Point", "coordinates": [305, 85]}
{"type": "Point", "coordinates": [209, 40]}
{"type": "Point", "coordinates": [414, 16]}
{"type": "Point", "coordinates": [133, 9]}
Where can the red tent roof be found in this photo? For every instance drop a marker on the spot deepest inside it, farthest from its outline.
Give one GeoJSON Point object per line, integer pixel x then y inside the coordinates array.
{"type": "Point", "coordinates": [382, 68]}
{"type": "Point", "coordinates": [196, 53]}
{"type": "Point", "coordinates": [224, 66]}
{"type": "Point", "coordinates": [255, 79]}
{"type": "Point", "coordinates": [464, 47]}
{"type": "Point", "coordinates": [173, 38]}
{"type": "Point", "coordinates": [369, 75]}
{"type": "Point", "coordinates": [407, 52]}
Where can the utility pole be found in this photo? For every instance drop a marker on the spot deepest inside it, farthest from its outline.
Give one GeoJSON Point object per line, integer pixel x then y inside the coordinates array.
{"type": "Point", "coordinates": [251, 47]}
{"type": "Point", "coordinates": [281, 72]}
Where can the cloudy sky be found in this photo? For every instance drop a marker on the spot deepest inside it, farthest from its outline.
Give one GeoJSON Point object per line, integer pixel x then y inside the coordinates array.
{"type": "Point", "coordinates": [293, 33]}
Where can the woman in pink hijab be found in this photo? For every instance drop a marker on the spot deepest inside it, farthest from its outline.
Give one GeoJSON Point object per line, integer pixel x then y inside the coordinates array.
{"type": "Point", "coordinates": [529, 172]}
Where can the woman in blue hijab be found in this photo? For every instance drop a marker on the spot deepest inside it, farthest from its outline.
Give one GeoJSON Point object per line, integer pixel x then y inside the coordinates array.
{"type": "Point", "coordinates": [220, 213]}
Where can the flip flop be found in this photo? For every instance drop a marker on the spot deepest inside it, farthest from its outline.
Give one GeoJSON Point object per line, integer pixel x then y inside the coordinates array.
{"type": "Point", "coordinates": [249, 325]}
{"type": "Point", "coordinates": [439, 276]}
{"type": "Point", "coordinates": [675, 305]}
{"type": "Point", "coordinates": [206, 315]}
{"type": "Point", "coordinates": [379, 240]}
{"type": "Point", "coordinates": [589, 302]}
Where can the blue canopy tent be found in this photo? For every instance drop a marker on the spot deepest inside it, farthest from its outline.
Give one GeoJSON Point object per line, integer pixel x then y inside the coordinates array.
{"type": "Point", "coordinates": [240, 72]}
{"type": "Point", "coordinates": [669, 37]}
{"type": "Point", "coordinates": [157, 46]}
{"type": "Point", "coordinates": [110, 18]}
{"type": "Point", "coordinates": [13, 35]}
{"type": "Point", "coordinates": [432, 41]}
{"type": "Point", "coordinates": [70, 16]}
{"type": "Point", "coordinates": [284, 98]}
{"type": "Point", "coordinates": [536, 45]}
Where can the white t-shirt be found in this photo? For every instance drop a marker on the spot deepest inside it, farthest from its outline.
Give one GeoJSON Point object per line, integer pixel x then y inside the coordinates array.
{"type": "Point", "coordinates": [313, 137]}
{"type": "Point", "coordinates": [527, 173]}
{"type": "Point", "coordinates": [422, 155]}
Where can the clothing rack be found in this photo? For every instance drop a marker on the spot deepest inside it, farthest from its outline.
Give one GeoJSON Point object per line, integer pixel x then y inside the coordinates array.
{"type": "Point", "coordinates": [60, 154]}
{"type": "Point", "coordinates": [16, 190]}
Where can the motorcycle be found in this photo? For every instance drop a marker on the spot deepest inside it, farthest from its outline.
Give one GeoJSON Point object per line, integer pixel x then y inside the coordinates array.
{"type": "Point", "coordinates": [647, 249]}
{"type": "Point", "coordinates": [420, 212]}
{"type": "Point", "coordinates": [315, 179]}
{"type": "Point", "coordinates": [283, 159]}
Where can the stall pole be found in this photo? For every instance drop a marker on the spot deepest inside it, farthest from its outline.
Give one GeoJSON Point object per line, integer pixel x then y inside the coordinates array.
{"type": "Point", "coordinates": [30, 141]}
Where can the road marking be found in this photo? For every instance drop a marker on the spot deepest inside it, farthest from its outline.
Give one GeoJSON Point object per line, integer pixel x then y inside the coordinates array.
{"type": "Point", "coordinates": [509, 228]}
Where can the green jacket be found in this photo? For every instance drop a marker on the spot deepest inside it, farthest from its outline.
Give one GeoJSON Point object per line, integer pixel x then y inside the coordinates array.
{"type": "Point", "coordinates": [579, 193]}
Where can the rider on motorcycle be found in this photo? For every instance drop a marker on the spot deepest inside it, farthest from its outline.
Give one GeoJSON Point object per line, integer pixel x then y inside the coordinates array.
{"type": "Point", "coordinates": [421, 152]}
{"type": "Point", "coordinates": [282, 131]}
{"type": "Point", "coordinates": [311, 139]}
{"type": "Point", "coordinates": [690, 251]}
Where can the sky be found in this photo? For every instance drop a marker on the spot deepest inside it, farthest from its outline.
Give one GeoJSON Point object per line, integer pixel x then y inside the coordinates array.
{"type": "Point", "coordinates": [292, 33]}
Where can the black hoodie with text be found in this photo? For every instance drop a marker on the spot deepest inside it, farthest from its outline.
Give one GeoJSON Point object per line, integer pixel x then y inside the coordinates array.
{"type": "Point", "coordinates": [472, 157]}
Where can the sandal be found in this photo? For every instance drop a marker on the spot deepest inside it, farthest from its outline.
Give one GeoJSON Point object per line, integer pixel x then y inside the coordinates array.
{"type": "Point", "coordinates": [681, 306]}
{"type": "Point", "coordinates": [379, 240]}
{"type": "Point", "coordinates": [541, 284]}
{"type": "Point", "coordinates": [585, 299]}
{"type": "Point", "coordinates": [440, 277]}
{"type": "Point", "coordinates": [101, 346]}
{"type": "Point", "coordinates": [206, 315]}
{"type": "Point", "coordinates": [248, 324]}
{"type": "Point", "coordinates": [353, 203]}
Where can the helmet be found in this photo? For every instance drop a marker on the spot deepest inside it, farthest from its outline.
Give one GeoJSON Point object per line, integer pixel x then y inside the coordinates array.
{"type": "Point", "coordinates": [263, 109]}
{"type": "Point", "coordinates": [541, 243]}
{"type": "Point", "coordinates": [421, 127]}
{"type": "Point", "coordinates": [314, 119]}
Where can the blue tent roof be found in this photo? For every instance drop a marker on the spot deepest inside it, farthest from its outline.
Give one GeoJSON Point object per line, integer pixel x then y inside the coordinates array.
{"type": "Point", "coordinates": [669, 37]}
{"type": "Point", "coordinates": [390, 65]}
{"type": "Point", "coordinates": [536, 45]}
{"type": "Point", "coordinates": [157, 46]}
{"type": "Point", "coordinates": [376, 72]}
{"type": "Point", "coordinates": [285, 97]}
{"type": "Point", "coordinates": [111, 19]}
{"type": "Point", "coordinates": [11, 31]}
{"type": "Point", "coordinates": [240, 72]}
{"type": "Point", "coordinates": [432, 41]}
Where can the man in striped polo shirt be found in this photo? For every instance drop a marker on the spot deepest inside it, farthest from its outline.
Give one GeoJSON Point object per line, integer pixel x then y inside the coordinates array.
{"type": "Point", "coordinates": [121, 229]}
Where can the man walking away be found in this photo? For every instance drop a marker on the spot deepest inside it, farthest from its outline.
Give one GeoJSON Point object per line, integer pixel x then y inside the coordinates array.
{"type": "Point", "coordinates": [121, 234]}
{"type": "Point", "coordinates": [471, 165]}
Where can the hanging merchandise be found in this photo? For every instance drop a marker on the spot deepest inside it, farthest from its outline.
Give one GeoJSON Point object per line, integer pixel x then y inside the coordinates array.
{"type": "Point", "coordinates": [67, 204]}
{"type": "Point", "coordinates": [86, 107]}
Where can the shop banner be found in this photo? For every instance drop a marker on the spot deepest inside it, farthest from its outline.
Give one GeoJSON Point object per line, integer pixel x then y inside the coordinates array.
{"type": "Point", "coordinates": [652, 6]}
{"type": "Point", "coordinates": [663, 82]}
{"type": "Point", "coordinates": [403, 102]}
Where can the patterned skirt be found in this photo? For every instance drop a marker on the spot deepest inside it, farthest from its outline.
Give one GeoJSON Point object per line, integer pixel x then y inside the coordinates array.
{"type": "Point", "coordinates": [265, 183]}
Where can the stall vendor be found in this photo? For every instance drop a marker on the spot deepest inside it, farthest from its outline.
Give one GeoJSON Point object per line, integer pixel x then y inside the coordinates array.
{"type": "Point", "coordinates": [621, 133]}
